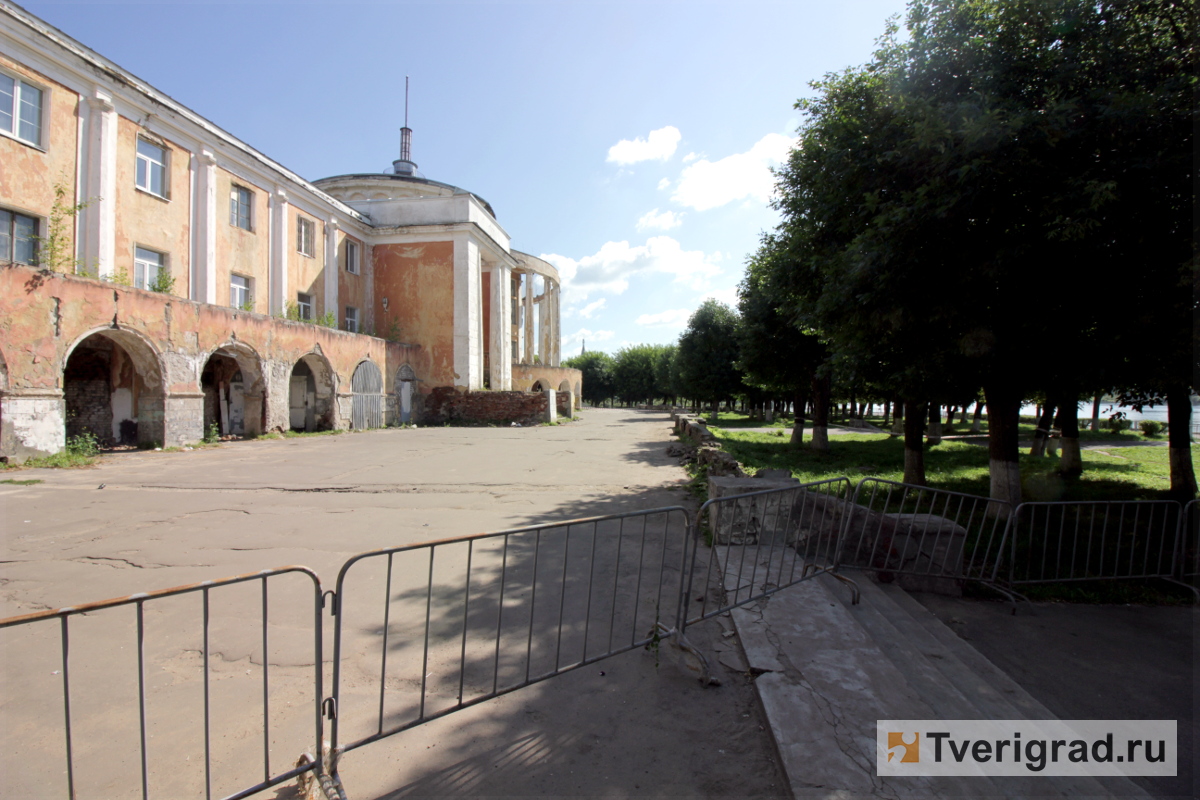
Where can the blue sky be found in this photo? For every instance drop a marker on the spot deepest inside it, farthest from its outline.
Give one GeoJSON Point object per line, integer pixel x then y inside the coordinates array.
{"type": "Point", "coordinates": [626, 142]}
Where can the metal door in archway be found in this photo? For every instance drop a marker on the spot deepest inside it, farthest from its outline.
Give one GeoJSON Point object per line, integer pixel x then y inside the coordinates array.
{"type": "Point", "coordinates": [366, 405]}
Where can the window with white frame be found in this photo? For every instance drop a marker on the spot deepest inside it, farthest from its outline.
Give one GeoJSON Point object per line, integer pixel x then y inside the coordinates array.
{"type": "Point", "coordinates": [241, 201]}
{"type": "Point", "coordinates": [151, 168]}
{"type": "Point", "coordinates": [147, 264]}
{"type": "Point", "coordinates": [304, 306]}
{"type": "Point", "coordinates": [21, 109]}
{"type": "Point", "coordinates": [352, 319]}
{"type": "Point", "coordinates": [351, 257]}
{"type": "Point", "coordinates": [305, 235]}
{"type": "Point", "coordinates": [18, 238]}
{"type": "Point", "coordinates": [240, 294]}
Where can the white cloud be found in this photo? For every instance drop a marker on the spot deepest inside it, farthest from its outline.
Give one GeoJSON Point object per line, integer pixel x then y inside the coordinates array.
{"type": "Point", "coordinates": [609, 270]}
{"type": "Point", "coordinates": [690, 157]}
{"type": "Point", "coordinates": [677, 317]}
{"type": "Point", "coordinates": [581, 337]}
{"type": "Point", "coordinates": [663, 222]}
{"type": "Point", "coordinates": [591, 308]}
{"type": "Point", "coordinates": [659, 145]}
{"type": "Point", "coordinates": [708, 184]}
{"type": "Point", "coordinates": [728, 296]}
{"type": "Point", "coordinates": [665, 183]}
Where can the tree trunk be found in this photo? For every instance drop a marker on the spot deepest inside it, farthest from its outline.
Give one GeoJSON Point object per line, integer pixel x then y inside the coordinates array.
{"type": "Point", "coordinates": [887, 411]}
{"type": "Point", "coordinates": [1004, 469]}
{"type": "Point", "coordinates": [914, 450]}
{"type": "Point", "coordinates": [935, 423]}
{"type": "Point", "coordinates": [977, 421]}
{"type": "Point", "coordinates": [1042, 433]}
{"type": "Point", "coordinates": [1096, 412]}
{"type": "Point", "coordinates": [821, 398]}
{"type": "Point", "coordinates": [1179, 437]}
{"type": "Point", "coordinates": [798, 425]}
{"type": "Point", "coordinates": [1071, 463]}
{"type": "Point", "coordinates": [898, 418]}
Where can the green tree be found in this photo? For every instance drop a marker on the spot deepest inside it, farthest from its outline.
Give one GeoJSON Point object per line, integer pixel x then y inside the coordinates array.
{"type": "Point", "coordinates": [707, 354]}
{"type": "Point", "coordinates": [597, 368]}
{"type": "Point", "coordinates": [947, 200]}
{"type": "Point", "coordinates": [774, 353]}
{"type": "Point", "coordinates": [665, 373]}
{"type": "Point", "coordinates": [634, 377]}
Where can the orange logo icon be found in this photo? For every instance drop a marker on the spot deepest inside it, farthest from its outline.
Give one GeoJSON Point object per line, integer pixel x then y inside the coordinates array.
{"type": "Point", "coordinates": [908, 750]}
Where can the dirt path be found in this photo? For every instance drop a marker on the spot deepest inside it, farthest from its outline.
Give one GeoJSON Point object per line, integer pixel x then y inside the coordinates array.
{"type": "Point", "coordinates": [623, 727]}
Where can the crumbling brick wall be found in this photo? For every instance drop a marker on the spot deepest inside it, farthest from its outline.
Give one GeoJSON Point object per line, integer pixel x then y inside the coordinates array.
{"type": "Point", "coordinates": [447, 404]}
{"type": "Point", "coordinates": [87, 391]}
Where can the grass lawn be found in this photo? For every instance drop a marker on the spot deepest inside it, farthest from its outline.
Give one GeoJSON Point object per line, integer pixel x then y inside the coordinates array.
{"type": "Point", "coordinates": [735, 421]}
{"type": "Point", "coordinates": [1118, 473]}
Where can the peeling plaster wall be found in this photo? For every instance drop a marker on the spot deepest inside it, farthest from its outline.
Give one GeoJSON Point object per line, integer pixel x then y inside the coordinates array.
{"type": "Point", "coordinates": [526, 375]}
{"type": "Point", "coordinates": [27, 173]}
{"type": "Point", "coordinates": [43, 315]}
{"type": "Point", "coordinates": [418, 280]}
{"type": "Point", "coordinates": [352, 288]}
{"type": "Point", "coordinates": [143, 219]}
{"type": "Point", "coordinates": [242, 251]}
{"type": "Point", "coordinates": [305, 274]}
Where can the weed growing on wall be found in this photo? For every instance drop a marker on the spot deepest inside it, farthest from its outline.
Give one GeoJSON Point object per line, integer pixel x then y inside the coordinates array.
{"type": "Point", "coordinates": [85, 444]}
{"type": "Point", "coordinates": [164, 282]}
{"type": "Point", "coordinates": [55, 249]}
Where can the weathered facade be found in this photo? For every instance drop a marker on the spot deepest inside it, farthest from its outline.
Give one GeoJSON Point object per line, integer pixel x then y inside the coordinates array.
{"type": "Point", "coordinates": [161, 280]}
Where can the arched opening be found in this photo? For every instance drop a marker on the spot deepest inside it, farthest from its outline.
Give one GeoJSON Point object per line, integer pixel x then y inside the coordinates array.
{"type": "Point", "coordinates": [113, 389]}
{"type": "Point", "coordinates": [311, 394]}
{"type": "Point", "coordinates": [366, 401]}
{"type": "Point", "coordinates": [406, 386]}
{"type": "Point", "coordinates": [564, 399]}
{"type": "Point", "coordinates": [540, 386]}
{"type": "Point", "coordinates": [233, 392]}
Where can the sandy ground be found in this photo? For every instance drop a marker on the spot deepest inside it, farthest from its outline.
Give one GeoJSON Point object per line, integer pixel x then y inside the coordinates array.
{"type": "Point", "coordinates": [635, 724]}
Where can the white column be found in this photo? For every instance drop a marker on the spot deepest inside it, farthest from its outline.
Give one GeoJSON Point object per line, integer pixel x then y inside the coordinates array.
{"type": "Point", "coordinates": [279, 252]}
{"type": "Point", "coordinates": [467, 351]}
{"type": "Point", "coordinates": [204, 227]}
{"type": "Point", "coordinates": [555, 333]}
{"type": "Point", "coordinates": [543, 324]}
{"type": "Point", "coordinates": [500, 349]}
{"type": "Point", "coordinates": [100, 186]}
{"type": "Point", "coordinates": [331, 268]}
{"type": "Point", "coordinates": [528, 305]}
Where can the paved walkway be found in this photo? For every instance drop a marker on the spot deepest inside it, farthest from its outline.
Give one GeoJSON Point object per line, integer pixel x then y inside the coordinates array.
{"type": "Point", "coordinates": [141, 521]}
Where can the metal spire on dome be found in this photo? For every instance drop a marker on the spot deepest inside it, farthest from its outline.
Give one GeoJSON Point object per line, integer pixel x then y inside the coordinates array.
{"type": "Point", "coordinates": [404, 165]}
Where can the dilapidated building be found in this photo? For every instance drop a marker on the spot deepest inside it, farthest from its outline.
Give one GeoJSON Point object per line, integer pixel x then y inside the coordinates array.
{"type": "Point", "coordinates": [161, 279]}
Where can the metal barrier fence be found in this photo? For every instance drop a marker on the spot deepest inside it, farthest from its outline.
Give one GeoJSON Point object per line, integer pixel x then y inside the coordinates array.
{"type": "Point", "coordinates": [1189, 542]}
{"type": "Point", "coordinates": [179, 680]}
{"type": "Point", "coordinates": [433, 628]}
{"type": "Point", "coordinates": [936, 537]}
{"type": "Point", "coordinates": [1064, 542]}
{"type": "Point", "coordinates": [762, 542]}
{"type": "Point", "coordinates": [424, 630]}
